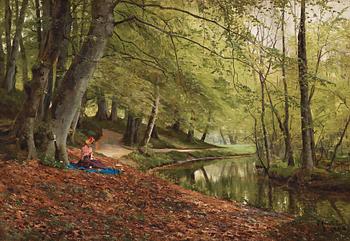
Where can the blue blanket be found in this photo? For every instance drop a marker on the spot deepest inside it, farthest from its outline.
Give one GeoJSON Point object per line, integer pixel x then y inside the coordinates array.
{"type": "Point", "coordinates": [108, 171]}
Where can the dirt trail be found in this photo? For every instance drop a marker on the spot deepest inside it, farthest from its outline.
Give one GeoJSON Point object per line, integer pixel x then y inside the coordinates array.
{"type": "Point", "coordinates": [111, 145]}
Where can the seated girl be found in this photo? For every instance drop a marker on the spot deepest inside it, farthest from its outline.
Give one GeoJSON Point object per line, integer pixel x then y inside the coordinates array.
{"type": "Point", "coordinates": [87, 156]}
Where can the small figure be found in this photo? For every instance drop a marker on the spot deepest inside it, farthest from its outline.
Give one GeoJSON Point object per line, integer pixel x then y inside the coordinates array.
{"type": "Point", "coordinates": [87, 156]}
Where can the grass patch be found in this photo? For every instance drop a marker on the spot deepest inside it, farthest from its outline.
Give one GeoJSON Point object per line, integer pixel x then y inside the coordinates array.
{"type": "Point", "coordinates": [151, 159]}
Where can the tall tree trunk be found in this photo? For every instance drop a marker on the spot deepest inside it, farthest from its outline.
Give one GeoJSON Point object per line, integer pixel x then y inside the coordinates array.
{"type": "Point", "coordinates": [263, 124]}
{"type": "Point", "coordinates": [63, 57]}
{"type": "Point", "coordinates": [102, 110]}
{"type": "Point", "coordinates": [152, 118]}
{"type": "Point", "coordinates": [223, 137]}
{"type": "Point", "coordinates": [288, 156]}
{"type": "Point", "coordinates": [25, 76]}
{"type": "Point", "coordinates": [2, 59]}
{"type": "Point", "coordinates": [24, 124]}
{"type": "Point", "coordinates": [131, 132]}
{"type": "Point", "coordinates": [38, 22]}
{"type": "Point", "coordinates": [114, 110]}
{"type": "Point", "coordinates": [190, 134]}
{"type": "Point", "coordinates": [8, 27]}
{"type": "Point", "coordinates": [75, 81]}
{"type": "Point", "coordinates": [205, 133]}
{"type": "Point", "coordinates": [10, 81]}
{"type": "Point", "coordinates": [334, 155]}
{"type": "Point", "coordinates": [232, 138]}
{"type": "Point", "coordinates": [155, 134]}
{"type": "Point", "coordinates": [306, 128]}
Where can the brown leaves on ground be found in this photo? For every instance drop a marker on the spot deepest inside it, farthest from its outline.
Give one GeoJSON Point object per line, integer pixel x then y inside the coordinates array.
{"type": "Point", "coordinates": [43, 203]}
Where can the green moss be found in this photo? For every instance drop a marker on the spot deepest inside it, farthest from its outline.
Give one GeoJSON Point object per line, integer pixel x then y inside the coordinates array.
{"type": "Point", "coordinates": [281, 170]}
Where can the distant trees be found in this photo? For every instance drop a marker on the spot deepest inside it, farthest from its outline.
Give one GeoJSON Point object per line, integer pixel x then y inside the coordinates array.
{"type": "Point", "coordinates": [217, 70]}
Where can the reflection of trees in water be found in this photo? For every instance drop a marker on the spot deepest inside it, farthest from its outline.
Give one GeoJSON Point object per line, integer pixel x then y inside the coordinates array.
{"type": "Point", "coordinates": [337, 211]}
{"type": "Point", "coordinates": [238, 180]}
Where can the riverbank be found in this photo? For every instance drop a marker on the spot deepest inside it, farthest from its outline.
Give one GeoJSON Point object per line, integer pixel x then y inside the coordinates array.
{"type": "Point", "coordinates": [157, 159]}
{"type": "Point", "coordinates": [317, 179]}
{"type": "Point", "coordinates": [74, 205]}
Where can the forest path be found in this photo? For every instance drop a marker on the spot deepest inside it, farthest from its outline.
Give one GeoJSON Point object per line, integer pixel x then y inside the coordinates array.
{"type": "Point", "coordinates": [111, 145]}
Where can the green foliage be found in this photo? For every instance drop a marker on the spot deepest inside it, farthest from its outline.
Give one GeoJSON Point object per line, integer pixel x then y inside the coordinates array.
{"type": "Point", "coordinates": [51, 162]}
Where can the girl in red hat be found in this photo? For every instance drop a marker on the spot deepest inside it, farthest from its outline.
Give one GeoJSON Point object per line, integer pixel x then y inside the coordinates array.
{"type": "Point", "coordinates": [87, 156]}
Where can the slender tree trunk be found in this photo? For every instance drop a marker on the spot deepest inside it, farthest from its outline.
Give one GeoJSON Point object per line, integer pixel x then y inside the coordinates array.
{"type": "Point", "coordinates": [155, 134]}
{"type": "Point", "coordinates": [8, 27]}
{"type": "Point", "coordinates": [232, 138]}
{"type": "Point", "coordinates": [114, 110]}
{"type": "Point", "coordinates": [190, 134]}
{"type": "Point", "coordinates": [102, 110]}
{"type": "Point", "coordinates": [223, 137]}
{"type": "Point", "coordinates": [2, 59]}
{"type": "Point", "coordinates": [75, 81]}
{"type": "Point", "coordinates": [334, 155]}
{"type": "Point", "coordinates": [38, 22]}
{"type": "Point", "coordinates": [306, 128]}
{"type": "Point", "coordinates": [25, 76]}
{"type": "Point", "coordinates": [287, 137]}
{"type": "Point", "coordinates": [10, 80]}
{"type": "Point", "coordinates": [152, 118]}
{"type": "Point", "coordinates": [205, 133]}
{"type": "Point", "coordinates": [263, 124]}
{"type": "Point", "coordinates": [131, 132]}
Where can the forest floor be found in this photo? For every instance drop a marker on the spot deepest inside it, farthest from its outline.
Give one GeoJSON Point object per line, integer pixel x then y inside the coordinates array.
{"type": "Point", "coordinates": [43, 203]}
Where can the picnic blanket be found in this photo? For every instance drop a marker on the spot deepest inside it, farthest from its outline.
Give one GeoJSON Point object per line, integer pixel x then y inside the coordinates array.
{"type": "Point", "coordinates": [105, 170]}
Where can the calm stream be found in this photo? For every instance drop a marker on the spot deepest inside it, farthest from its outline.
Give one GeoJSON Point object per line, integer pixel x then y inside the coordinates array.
{"type": "Point", "coordinates": [237, 179]}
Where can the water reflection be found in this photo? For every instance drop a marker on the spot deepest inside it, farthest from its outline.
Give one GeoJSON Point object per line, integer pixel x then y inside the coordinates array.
{"type": "Point", "coordinates": [237, 179]}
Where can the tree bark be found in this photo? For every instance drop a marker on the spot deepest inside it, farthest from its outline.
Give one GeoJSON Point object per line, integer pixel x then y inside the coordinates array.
{"type": "Point", "coordinates": [306, 128]}
{"type": "Point", "coordinates": [232, 138]}
{"type": "Point", "coordinates": [205, 133]}
{"type": "Point", "coordinates": [2, 60]}
{"type": "Point", "coordinates": [152, 118]}
{"type": "Point", "coordinates": [155, 134]}
{"type": "Point", "coordinates": [75, 81]}
{"type": "Point", "coordinates": [8, 27]}
{"type": "Point", "coordinates": [10, 81]}
{"type": "Point", "coordinates": [38, 22]}
{"type": "Point", "coordinates": [288, 156]}
{"type": "Point", "coordinates": [334, 155]}
{"type": "Point", "coordinates": [102, 110]}
{"type": "Point", "coordinates": [223, 137]}
{"type": "Point", "coordinates": [263, 124]}
{"type": "Point", "coordinates": [40, 72]}
{"type": "Point", "coordinates": [62, 58]}
{"type": "Point", "coordinates": [25, 76]}
{"type": "Point", "coordinates": [131, 132]}
{"type": "Point", "coordinates": [114, 110]}
{"type": "Point", "coordinates": [190, 134]}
